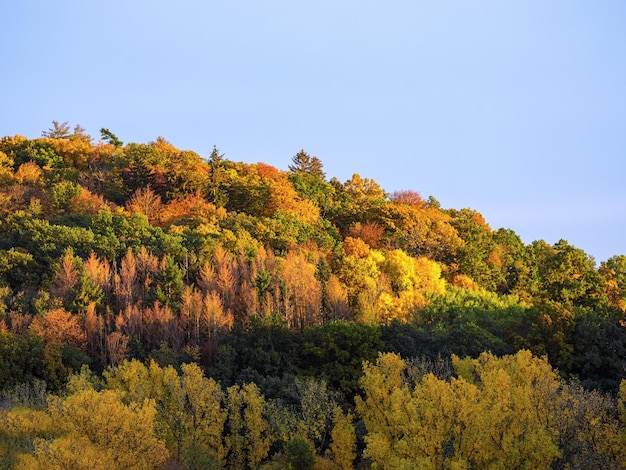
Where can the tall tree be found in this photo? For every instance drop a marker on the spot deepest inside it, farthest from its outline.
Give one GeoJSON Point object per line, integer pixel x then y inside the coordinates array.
{"type": "Point", "coordinates": [57, 131]}
{"type": "Point", "coordinates": [110, 137]}
{"type": "Point", "coordinates": [302, 162]}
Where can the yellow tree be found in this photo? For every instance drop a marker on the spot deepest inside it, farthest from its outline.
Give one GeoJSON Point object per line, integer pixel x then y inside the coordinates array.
{"type": "Point", "coordinates": [205, 417]}
{"type": "Point", "coordinates": [384, 390]}
{"type": "Point", "coordinates": [342, 450]}
{"type": "Point", "coordinates": [359, 271]}
{"type": "Point", "coordinates": [493, 416]}
{"type": "Point", "coordinates": [6, 169]}
{"type": "Point", "coordinates": [191, 411]}
{"type": "Point", "coordinates": [98, 427]}
{"type": "Point", "coordinates": [75, 452]}
{"type": "Point", "coordinates": [510, 426]}
{"type": "Point", "coordinates": [283, 197]}
{"type": "Point", "coordinates": [302, 291]}
{"type": "Point", "coordinates": [412, 282]}
{"type": "Point", "coordinates": [215, 319]}
{"type": "Point", "coordinates": [248, 439]}
{"type": "Point", "coordinates": [422, 229]}
{"type": "Point", "coordinates": [191, 308]}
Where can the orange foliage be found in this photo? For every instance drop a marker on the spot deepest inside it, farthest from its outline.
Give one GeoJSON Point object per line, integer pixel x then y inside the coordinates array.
{"type": "Point", "coordinates": [29, 173]}
{"type": "Point", "coordinates": [409, 198]}
{"type": "Point", "coordinates": [466, 282]}
{"type": "Point", "coordinates": [283, 197]}
{"type": "Point", "coordinates": [145, 201]}
{"type": "Point", "coordinates": [370, 232]}
{"type": "Point", "coordinates": [189, 209]}
{"type": "Point", "coordinates": [356, 247]}
{"type": "Point", "coordinates": [215, 318]}
{"type": "Point", "coordinates": [17, 323]}
{"type": "Point", "coordinates": [75, 152]}
{"type": "Point", "coordinates": [66, 276]}
{"type": "Point", "coordinates": [98, 270]}
{"type": "Point", "coordinates": [117, 347]}
{"type": "Point", "coordinates": [59, 326]}
{"type": "Point", "coordinates": [87, 202]}
{"type": "Point", "coordinates": [267, 171]}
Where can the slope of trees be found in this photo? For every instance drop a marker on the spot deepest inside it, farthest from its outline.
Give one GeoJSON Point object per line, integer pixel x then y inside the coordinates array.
{"type": "Point", "coordinates": [276, 285]}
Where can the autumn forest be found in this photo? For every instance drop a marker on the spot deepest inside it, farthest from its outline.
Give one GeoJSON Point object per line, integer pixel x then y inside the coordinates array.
{"type": "Point", "coordinates": [160, 309]}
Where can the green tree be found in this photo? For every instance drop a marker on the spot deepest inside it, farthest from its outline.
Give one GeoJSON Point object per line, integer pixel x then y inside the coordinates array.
{"type": "Point", "coordinates": [335, 353]}
{"type": "Point", "coordinates": [302, 162]}
{"type": "Point", "coordinates": [300, 454]}
{"type": "Point", "coordinates": [111, 138]}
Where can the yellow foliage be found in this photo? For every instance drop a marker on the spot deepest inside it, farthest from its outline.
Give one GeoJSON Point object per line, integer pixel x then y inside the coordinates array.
{"type": "Point", "coordinates": [75, 452]}
{"type": "Point", "coordinates": [356, 247]}
{"type": "Point", "coordinates": [342, 450]}
{"type": "Point", "coordinates": [248, 441]}
{"type": "Point", "coordinates": [125, 432]}
{"type": "Point", "coordinates": [493, 416]}
{"type": "Point", "coordinates": [6, 169]}
{"type": "Point", "coordinates": [28, 423]}
{"type": "Point", "coordinates": [283, 197]}
{"type": "Point", "coordinates": [29, 173]}
{"type": "Point", "coordinates": [412, 280]}
{"type": "Point", "coordinates": [464, 282]}
{"type": "Point", "coordinates": [408, 273]}
{"type": "Point", "coordinates": [75, 152]}
{"type": "Point", "coordinates": [399, 307]}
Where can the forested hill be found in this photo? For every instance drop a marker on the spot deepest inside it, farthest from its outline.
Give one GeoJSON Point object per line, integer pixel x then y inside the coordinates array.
{"type": "Point", "coordinates": [113, 251]}
{"type": "Point", "coordinates": [129, 240]}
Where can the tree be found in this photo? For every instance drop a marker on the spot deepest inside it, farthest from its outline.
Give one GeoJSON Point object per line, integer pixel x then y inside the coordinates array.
{"type": "Point", "coordinates": [342, 449]}
{"type": "Point", "coordinates": [111, 138]}
{"type": "Point", "coordinates": [248, 439]}
{"type": "Point", "coordinates": [567, 275]}
{"type": "Point", "coordinates": [495, 415]}
{"type": "Point", "coordinates": [59, 327]}
{"type": "Point", "coordinates": [613, 271]}
{"type": "Point", "coordinates": [421, 229]}
{"type": "Point", "coordinates": [216, 320]}
{"type": "Point", "coordinates": [6, 169]}
{"type": "Point", "coordinates": [475, 257]}
{"type": "Point", "coordinates": [302, 162]}
{"type": "Point", "coordinates": [335, 352]}
{"type": "Point", "coordinates": [57, 131]}
{"type": "Point", "coordinates": [205, 417]}
{"type": "Point", "coordinates": [217, 178]}
{"type": "Point", "coordinates": [145, 201]}
{"type": "Point", "coordinates": [302, 291]}
{"type": "Point", "coordinates": [300, 454]}
{"type": "Point", "coordinates": [99, 419]}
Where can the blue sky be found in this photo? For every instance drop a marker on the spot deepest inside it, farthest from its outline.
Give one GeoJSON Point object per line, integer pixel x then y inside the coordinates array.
{"type": "Point", "coordinates": [516, 109]}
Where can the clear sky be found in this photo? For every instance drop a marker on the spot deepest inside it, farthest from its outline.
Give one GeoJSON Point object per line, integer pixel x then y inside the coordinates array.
{"type": "Point", "coordinates": [516, 109]}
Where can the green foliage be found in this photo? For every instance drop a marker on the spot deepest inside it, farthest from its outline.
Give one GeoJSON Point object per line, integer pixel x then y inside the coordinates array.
{"type": "Point", "coordinates": [300, 454]}
{"type": "Point", "coordinates": [111, 138]}
{"type": "Point", "coordinates": [335, 352]}
{"type": "Point", "coordinates": [21, 359]}
{"type": "Point", "coordinates": [264, 349]}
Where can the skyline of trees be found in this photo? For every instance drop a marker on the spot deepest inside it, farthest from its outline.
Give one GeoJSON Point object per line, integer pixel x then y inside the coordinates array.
{"type": "Point", "coordinates": [115, 252]}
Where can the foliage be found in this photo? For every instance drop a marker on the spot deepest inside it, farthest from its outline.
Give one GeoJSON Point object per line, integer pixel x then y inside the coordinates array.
{"type": "Point", "coordinates": [231, 306]}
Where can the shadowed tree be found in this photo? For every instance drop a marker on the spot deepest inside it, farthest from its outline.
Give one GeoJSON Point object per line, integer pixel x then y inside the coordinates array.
{"type": "Point", "coordinates": [302, 162]}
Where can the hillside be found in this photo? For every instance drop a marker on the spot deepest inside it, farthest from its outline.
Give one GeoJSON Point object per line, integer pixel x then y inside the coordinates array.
{"type": "Point", "coordinates": [111, 252]}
